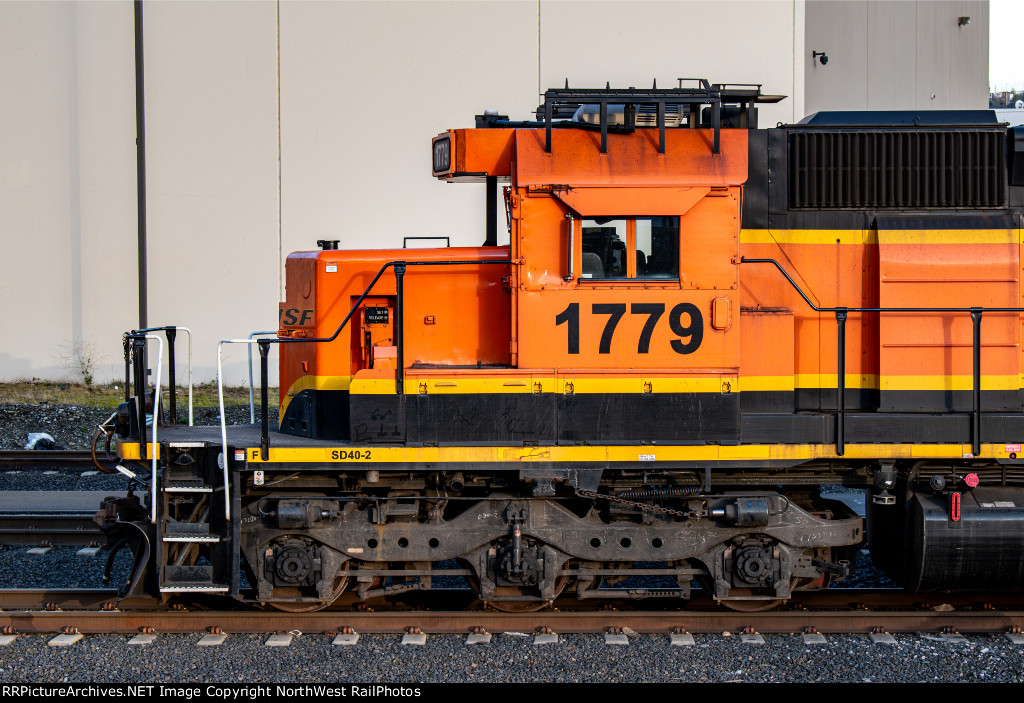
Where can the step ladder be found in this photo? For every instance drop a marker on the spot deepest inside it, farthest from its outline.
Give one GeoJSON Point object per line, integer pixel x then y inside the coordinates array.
{"type": "Point", "coordinates": [194, 550]}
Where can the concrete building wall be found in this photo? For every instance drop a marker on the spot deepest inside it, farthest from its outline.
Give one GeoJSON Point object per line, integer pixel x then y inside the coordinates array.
{"type": "Point", "coordinates": [896, 55]}
{"type": "Point", "coordinates": [271, 125]}
{"type": "Point", "coordinates": [67, 183]}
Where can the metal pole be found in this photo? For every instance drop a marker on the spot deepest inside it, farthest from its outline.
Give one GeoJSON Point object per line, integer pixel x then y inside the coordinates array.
{"type": "Point", "coordinates": [140, 156]}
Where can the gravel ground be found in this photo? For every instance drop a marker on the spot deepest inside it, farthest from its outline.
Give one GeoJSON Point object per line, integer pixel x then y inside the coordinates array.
{"type": "Point", "coordinates": [61, 481]}
{"type": "Point", "coordinates": [73, 426]}
{"type": "Point", "coordinates": [514, 659]}
{"type": "Point", "coordinates": [21, 570]}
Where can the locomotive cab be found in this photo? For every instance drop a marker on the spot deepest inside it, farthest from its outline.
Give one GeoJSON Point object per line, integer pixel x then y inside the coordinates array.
{"type": "Point", "coordinates": [608, 317]}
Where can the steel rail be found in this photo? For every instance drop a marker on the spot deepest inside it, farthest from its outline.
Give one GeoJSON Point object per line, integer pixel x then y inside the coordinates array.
{"type": "Point", "coordinates": [70, 529]}
{"type": "Point", "coordinates": [829, 612]}
{"type": "Point", "coordinates": [30, 599]}
{"type": "Point", "coordinates": [37, 458]}
{"type": "Point", "coordinates": [456, 622]}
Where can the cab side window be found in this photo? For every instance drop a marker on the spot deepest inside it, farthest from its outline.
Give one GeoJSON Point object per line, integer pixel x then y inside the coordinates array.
{"type": "Point", "coordinates": [630, 248]}
{"type": "Point", "coordinates": [657, 247]}
{"type": "Point", "coordinates": [604, 248]}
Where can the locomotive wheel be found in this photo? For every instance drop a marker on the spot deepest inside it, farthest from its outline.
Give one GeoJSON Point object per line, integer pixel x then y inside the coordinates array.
{"type": "Point", "coordinates": [756, 606]}
{"type": "Point", "coordinates": [340, 583]}
{"type": "Point", "coordinates": [520, 606]}
{"type": "Point", "coordinates": [751, 606]}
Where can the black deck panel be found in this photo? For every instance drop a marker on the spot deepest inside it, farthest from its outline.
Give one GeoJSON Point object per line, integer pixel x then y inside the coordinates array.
{"type": "Point", "coordinates": [238, 436]}
{"type": "Point", "coordinates": [781, 428]}
{"type": "Point", "coordinates": [899, 118]}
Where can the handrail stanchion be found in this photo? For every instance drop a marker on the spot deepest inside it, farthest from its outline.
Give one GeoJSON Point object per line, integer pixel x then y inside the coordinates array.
{"type": "Point", "coordinates": [841, 385]}
{"type": "Point", "coordinates": [138, 367]}
{"type": "Point", "coordinates": [223, 426]}
{"type": "Point", "coordinates": [264, 419]}
{"type": "Point", "coordinates": [171, 333]}
{"type": "Point", "coordinates": [252, 404]}
{"type": "Point", "coordinates": [126, 342]}
{"type": "Point", "coordinates": [156, 405]}
{"type": "Point", "coordinates": [976, 414]}
{"type": "Point", "coordinates": [187, 330]}
{"type": "Point", "coordinates": [399, 342]}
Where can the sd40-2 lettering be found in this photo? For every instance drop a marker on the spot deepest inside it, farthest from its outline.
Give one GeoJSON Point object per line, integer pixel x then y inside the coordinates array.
{"type": "Point", "coordinates": [692, 332]}
{"type": "Point", "coordinates": [350, 455]}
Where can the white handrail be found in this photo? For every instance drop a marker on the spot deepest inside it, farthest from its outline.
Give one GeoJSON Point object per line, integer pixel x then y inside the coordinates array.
{"type": "Point", "coordinates": [223, 420]}
{"type": "Point", "coordinates": [252, 405]}
{"type": "Point", "coordinates": [156, 408]}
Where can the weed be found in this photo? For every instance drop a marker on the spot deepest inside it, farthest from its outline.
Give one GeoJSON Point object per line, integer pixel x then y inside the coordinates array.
{"type": "Point", "coordinates": [79, 356]}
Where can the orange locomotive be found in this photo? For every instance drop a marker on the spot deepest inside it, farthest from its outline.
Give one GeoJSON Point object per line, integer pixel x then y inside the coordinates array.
{"type": "Point", "coordinates": [695, 325]}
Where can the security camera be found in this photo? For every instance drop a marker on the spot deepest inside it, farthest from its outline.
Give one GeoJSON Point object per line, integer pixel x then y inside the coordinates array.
{"type": "Point", "coordinates": [820, 56]}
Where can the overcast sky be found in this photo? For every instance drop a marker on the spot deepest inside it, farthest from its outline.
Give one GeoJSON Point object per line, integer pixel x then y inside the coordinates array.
{"type": "Point", "coordinates": [1006, 45]}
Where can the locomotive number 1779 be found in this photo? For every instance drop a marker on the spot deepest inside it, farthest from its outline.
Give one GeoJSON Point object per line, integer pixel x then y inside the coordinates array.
{"type": "Point", "coordinates": [694, 329]}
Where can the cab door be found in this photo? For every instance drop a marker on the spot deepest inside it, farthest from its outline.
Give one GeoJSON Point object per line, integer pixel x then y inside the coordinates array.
{"type": "Point", "coordinates": [636, 315]}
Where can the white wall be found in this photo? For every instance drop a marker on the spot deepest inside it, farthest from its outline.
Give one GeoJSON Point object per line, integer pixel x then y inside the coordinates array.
{"type": "Point", "coordinates": [631, 43]}
{"type": "Point", "coordinates": [896, 55]}
{"type": "Point", "coordinates": [364, 88]}
{"type": "Point", "coordinates": [67, 182]}
{"type": "Point", "coordinates": [211, 172]}
{"type": "Point", "coordinates": [270, 126]}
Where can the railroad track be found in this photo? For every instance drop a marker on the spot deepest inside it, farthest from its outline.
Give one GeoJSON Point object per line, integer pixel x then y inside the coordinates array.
{"type": "Point", "coordinates": [48, 530]}
{"type": "Point", "coordinates": [50, 518]}
{"type": "Point", "coordinates": [89, 612]}
{"type": "Point", "coordinates": [27, 459]}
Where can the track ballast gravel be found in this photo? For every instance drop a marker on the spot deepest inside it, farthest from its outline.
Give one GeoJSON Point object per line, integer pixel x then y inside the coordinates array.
{"type": "Point", "coordinates": [514, 659]}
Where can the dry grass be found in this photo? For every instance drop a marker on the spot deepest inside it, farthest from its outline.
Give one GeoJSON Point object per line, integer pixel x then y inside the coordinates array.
{"type": "Point", "coordinates": [106, 396]}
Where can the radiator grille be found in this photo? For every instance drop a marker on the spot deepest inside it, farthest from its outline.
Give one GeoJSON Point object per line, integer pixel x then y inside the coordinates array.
{"type": "Point", "coordinates": [897, 169]}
